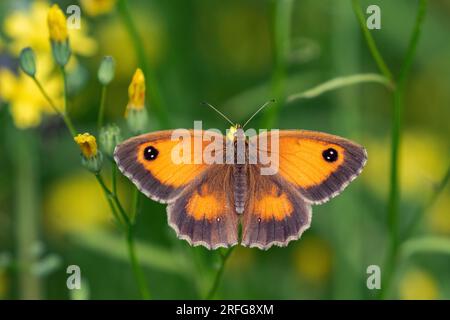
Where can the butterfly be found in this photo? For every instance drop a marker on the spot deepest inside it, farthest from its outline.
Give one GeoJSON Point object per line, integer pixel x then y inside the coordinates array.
{"type": "Point", "coordinates": [208, 202]}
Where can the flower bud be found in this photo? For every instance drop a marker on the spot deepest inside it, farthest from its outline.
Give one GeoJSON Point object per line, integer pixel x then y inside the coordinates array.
{"type": "Point", "coordinates": [106, 70]}
{"type": "Point", "coordinates": [59, 38]}
{"type": "Point", "coordinates": [27, 61]}
{"type": "Point", "coordinates": [136, 91]}
{"type": "Point", "coordinates": [136, 114]}
{"type": "Point", "coordinates": [110, 137]}
{"type": "Point", "coordinates": [61, 52]}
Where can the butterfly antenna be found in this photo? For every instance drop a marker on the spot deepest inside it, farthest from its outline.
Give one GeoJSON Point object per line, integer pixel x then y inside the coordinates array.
{"type": "Point", "coordinates": [219, 112]}
{"type": "Point", "coordinates": [257, 111]}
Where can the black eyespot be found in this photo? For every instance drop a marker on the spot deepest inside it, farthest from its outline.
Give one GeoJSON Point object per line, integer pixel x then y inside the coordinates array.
{"type": "Point", "coordinates": [330, 155]}
{"type": "Point", "coordinates": [150, 153]}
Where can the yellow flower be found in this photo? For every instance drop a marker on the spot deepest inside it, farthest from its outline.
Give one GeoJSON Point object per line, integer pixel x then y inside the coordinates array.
{"type": "Point", "coordinates": [26, 103]}
{"type": "Point", "coordinates": [57, 24]}
{"type": "Point", "coordinates": [28, 28]}
{"type": "Point", "coordinates": [87, 144]}
{"type": "Point", "coordinates": [97, 7]}
{"type": "Point", "coordinates": [76, 204]}
{"type": "Point", "coordinates": [313, 259]}
{"type": "Point", "coordinates": [418, 285]}
{"type": "Point", "coordinates": [136, 91]}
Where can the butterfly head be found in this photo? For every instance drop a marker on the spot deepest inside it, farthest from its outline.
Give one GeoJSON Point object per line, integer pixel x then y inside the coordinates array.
{"type": "Point", "coordinates": [236, 132]}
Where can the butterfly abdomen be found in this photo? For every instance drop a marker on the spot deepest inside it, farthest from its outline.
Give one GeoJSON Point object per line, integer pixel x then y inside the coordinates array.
{"type": "Point", "coordinates": [240, 187]}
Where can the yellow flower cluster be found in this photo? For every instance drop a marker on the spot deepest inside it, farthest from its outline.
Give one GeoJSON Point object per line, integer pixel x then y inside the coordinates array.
{"type": "Point", "coordinates": [30, 28]}
{"type": "Point", "coordinates": [57, 24]}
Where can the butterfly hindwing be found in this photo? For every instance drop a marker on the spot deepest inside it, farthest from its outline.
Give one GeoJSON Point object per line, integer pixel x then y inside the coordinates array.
{"type": "Point", "coordinates": [204, 214]}
{"type": "Point", "coordinates": [275, 214]}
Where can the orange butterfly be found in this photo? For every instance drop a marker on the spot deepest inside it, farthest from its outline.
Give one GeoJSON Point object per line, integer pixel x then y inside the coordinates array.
{"type": "Point", "coordinates": [207, 202]}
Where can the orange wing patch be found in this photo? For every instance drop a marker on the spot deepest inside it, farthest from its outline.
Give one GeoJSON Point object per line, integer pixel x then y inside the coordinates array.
{"type": "Point", "coordinates": [273, 206]}
{"type": "Point", "coordinates": [206, 204]}
{"type": "Point", "coordinates": [158, 165]}
{"type": "Point", "coordinates": [164, 169]}
{"type": "Point", "coordinates": [317, 164]}
{"type": "Point", "coordinates": [301, 161]}
{"type": "Point", "coordinates": [202, 214]}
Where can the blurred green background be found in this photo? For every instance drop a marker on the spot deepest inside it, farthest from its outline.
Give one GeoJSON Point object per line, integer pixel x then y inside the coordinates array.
{"type": "Point", "coordinates": [53, 213]}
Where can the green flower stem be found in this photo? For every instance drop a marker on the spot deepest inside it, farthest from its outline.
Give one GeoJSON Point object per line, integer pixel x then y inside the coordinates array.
{"type": "Point", "coordinates": [151, 83]}
{"type": "Point", "coordinates": [101, 110]}
{"type": "Point", "coordinates": [370, 41]}
{"type": "Point", "coordinates": [394, 194]}
{"type": "Point", "coordinates": [108, 196]}
{"type": "Point", "coordinates": [62, 114]}
{"type": "Point", "coordinates": [282, 15]}
{"type": "Point", "coordinates": [114, 177]}
{"type": "Point", "coordinates": [137, 271]}
{"type": "Point", "coordinates": [398, 105]}
{"type": "Point", "coordinates": [26, 218]}
{"type": "Point", "coordinates": [114, 203]}
{"type": "Point", "coordinates": [135, 207]}
{"type": "Point", "coordinates": [223, 260]}
{"type": "Point", "coordinates": [114, 200]}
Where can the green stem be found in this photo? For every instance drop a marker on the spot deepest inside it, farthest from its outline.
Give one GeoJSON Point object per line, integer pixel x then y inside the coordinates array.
{"type": "Point", "coordinates": [370, 41]}
{"type": "Point", "coordinates": [101, 110]}
{"type": "Point", "coordinates": [282, 14]}
{"type": "Point", "coordinates": [135, 207]}
{"type": "Point", "coordinates": [114, 199]}
{"type": "Point", "coordinates": [108, 196]}
{"type": "Point", "coordinates": [394, 194]}
{"type": "Point", "coordinates": [114, 203]}
{"type": "Point", "coordinates": [114, 177]}
{"type": "Point", "coordinates": [26, 217]}
{"type": "Point", "coordinates": [137, 271]}
{"type": "Point", "coordinates": [218, 277]}
{"type": "Point", "coordinates": [65, 107]}
{"type": "Point", "coordinates": [62, 114]}
{"type": "Point", "coordinates": [151, 83]}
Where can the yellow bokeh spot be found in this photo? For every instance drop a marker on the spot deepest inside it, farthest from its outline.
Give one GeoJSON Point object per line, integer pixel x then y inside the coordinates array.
{"type": "Point", "coordinates": [421, 165]}
{"type": "Point", "coordinates": [4, 283]}
{"type": "Point", "coordinates": [439, 215]}
{"type": "Point", "coordinates": [76, 204]}
{"type": "Point", "coordinates": [313, 259]}
{"type": "Point", "coordinates": [418, 285]}
{"type": "Point", "coordinates": [97, 7]}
